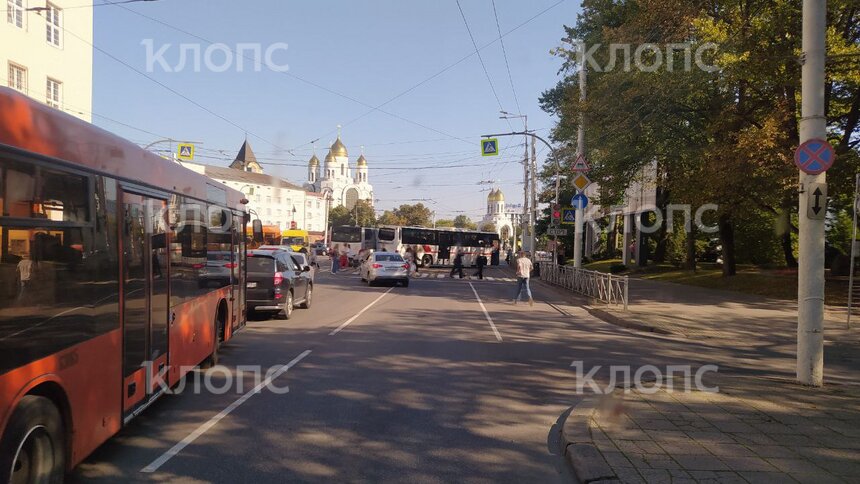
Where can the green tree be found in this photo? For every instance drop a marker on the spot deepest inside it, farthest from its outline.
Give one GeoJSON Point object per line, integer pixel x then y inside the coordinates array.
{"type": "Point", "coordinates": [464, 222]}
{"type": "Point", "coordinates": [388, 217]}
{"type": "Point", "coordinates": [340, 215]}
{"type": "Point", "coordinates": [489, 227]}
{"type": "Point", "coordinates": [416, 215]}
{"type": "Point", "coordinates": [445, 223]}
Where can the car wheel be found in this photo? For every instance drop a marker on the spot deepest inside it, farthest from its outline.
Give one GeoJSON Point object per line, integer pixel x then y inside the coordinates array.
{"type": "Point", "coordinates": [308, 297]}
{"type": "Point", "coordinates": [33, 445]}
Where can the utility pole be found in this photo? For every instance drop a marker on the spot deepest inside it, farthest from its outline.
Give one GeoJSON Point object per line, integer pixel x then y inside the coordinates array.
{"type": "Point", "coordinates": [533, 212]}
{"type": "Point", "coordinates": [580, 151]}
{"type": "Point", "coordinates": [525, 185]}
{"type": "Point", "coordinates": [810, 287]}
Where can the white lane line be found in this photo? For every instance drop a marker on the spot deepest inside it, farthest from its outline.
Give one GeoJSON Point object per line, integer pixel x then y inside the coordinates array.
{"type": "Point", "coordinates": [202, 429]}
{"type": "Point", "coordinates": [350, 320]}
{"type": "Point", "coordinates": [486, 314]}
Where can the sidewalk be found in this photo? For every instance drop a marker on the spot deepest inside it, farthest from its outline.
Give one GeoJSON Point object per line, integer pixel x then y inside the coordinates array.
{"type": "Point", "coordinates": [752, 430]}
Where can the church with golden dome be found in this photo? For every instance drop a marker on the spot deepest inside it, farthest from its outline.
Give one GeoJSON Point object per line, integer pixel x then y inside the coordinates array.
{"type": "Point", "coordinates": [497, 216]}
{"type": "Point", "coordinates": [335, 177]}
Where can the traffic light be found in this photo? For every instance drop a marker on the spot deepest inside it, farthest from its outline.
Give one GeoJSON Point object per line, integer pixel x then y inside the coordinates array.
{"type": "Point", "coordinates": [556, 214]}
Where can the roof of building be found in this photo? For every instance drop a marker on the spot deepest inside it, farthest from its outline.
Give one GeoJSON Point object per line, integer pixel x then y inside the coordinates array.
{"type": "Point", "coordinates": [496, 196]}
{"type": "Point", "coordinates": [237, 175]}
{"type": "Point", "coordinates": [314, 161]}
{"type": "Point", "coordinates": [245, 159]}
{"type": "Point", "coordinates": [338, 148]}
{"type": "Point", "coordinates": [362, 161]}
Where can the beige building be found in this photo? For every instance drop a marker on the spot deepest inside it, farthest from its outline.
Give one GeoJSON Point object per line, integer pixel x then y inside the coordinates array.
{"type": "Point", "coordinates": [46, 52]}
{"type": "Point", "coordinates": [274, 200]}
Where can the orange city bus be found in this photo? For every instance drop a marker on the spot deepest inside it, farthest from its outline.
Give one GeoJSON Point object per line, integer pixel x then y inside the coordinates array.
{"type": "Point", "coordinates": [119, 272]}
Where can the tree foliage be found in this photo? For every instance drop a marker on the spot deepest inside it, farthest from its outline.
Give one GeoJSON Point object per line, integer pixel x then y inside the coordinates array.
{"type": "Point", "coordinates": [464, 222]}
{"type": "Point", "coordinates": [725, 137]}
{"type": "Point", "coordinates": [416, 215]}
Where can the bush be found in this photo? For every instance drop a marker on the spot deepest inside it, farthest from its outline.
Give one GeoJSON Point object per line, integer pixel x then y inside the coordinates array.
{"type": "Point", "coordinates": [616, 268]}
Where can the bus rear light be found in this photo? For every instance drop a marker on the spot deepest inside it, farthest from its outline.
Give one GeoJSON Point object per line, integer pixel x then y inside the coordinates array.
{"type": "Point", "coordinates": [198, 266]}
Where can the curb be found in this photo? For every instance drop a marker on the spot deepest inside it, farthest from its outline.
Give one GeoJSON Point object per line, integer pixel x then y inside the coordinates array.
{"type": "Point", "coordinates": [588, 463]}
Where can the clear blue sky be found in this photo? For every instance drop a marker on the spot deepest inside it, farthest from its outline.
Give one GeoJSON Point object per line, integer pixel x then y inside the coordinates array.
{"type": "Point", "coordinates": [368, 51]}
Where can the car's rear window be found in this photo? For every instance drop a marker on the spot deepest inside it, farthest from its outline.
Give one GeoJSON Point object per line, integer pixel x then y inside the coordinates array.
{"type": "Point", "coordinates": [388, 258]}
{"type": "Point", "coordinates": [261, 264]}
{"type": "Point", "coordinates": [218, 256]}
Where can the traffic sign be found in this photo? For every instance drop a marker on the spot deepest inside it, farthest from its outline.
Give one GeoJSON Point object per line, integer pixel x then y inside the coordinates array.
{"type": "Point", "coordinates": [556, 232]}
{"type": "Point", "coordinates": [580, 181]}
{"type": "Point", "coordinates": [185, 152]}
{"type": "Point", "coordinates": [579, 201]}
{"type": "Point", "coordinates": [816, 202]}
{"type": "Point", "coordinates": [814, 156]}
{"type": "Point", "coordinates": [568, 216]}
{"type": "Point", "coordinates": [490, 147]}
{"type": "Point", "coordinates": [580, 166]}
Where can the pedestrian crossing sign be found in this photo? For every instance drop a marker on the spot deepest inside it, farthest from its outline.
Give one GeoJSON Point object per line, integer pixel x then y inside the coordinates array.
{"type": "Point", "coordinates": [490, 147]}
{"type": "Point", "coordinates": [568, 215]}
{"type": "Point", "coordinates": [185, 152]}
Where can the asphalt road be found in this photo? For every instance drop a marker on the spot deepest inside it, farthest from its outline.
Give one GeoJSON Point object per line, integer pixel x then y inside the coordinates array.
{"type": "Point", "coordinates": [415, 384]}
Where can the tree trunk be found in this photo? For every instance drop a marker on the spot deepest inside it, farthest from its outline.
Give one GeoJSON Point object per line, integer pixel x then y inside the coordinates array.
{"type": "Point", "coordinates": [727, 240]}
{"type": "Point", "coordinates": [662, 234]}
{"type": "Point", "coordinates": [612, 237]}
{"type": "Point", "coordinates": [690, 263]}
{"type": "Point", "coordinates": [788, 250]}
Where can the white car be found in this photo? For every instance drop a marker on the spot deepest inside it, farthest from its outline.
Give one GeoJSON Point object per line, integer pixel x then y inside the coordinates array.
{"type": "Point", "coordinates": [384, 266]}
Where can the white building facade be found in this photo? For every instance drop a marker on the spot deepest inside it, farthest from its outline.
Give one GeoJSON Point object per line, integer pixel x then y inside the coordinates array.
{"type": "Point", "coordinates": [345, 185]}
{"type": "Point", "coordinates": [274, 200]}
{"type": "Point", "coordinates": [497, 215]}
{"type": "Point", "coordinates": [47, 53]}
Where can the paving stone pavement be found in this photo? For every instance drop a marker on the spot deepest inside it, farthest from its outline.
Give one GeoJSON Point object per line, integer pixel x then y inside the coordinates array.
{"type": "Point", "coordinates": [752, 430]}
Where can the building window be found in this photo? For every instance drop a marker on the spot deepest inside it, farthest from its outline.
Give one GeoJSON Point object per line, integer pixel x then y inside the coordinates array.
{"type": "Point", "coordinates": [18, 77]}
{"type": "Point", "coordinates": [15, 13]}
{"type": "Point", "coordinates": [53, 93]}
{"type": "Point", "coordinates": [54, 25]}
{"type": "Point", "coordinates": [268, 199]}
{"type": "Point", "coordinates": [309, 204]}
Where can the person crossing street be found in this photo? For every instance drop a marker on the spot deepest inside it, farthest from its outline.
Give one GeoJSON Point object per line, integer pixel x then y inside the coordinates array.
{"type": "Point", "coordinates": [524, 271]}
{"type": "Point", "coordinates": [480, 262]}
{"type": "Point", "coordinates": [458, 264]}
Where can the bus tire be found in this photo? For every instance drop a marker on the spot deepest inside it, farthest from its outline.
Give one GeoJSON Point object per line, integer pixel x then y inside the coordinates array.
{"type": "Point", "coordinates": [212, 359]}
{"type": "Point", "coordinates": [426, 261]}
{"type": "Point", "coordinates": [33, 447]}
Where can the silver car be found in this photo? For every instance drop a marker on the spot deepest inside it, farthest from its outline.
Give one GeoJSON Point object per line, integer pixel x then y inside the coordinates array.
{"type": "Point", "coordinates": [384, 266]}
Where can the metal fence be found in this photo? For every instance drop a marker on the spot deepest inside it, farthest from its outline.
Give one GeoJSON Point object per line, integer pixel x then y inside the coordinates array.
{"type": "Point", "coordinates": [604, 287]}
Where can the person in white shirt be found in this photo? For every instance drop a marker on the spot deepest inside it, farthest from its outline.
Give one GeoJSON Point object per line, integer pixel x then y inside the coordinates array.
{"type": "Point", "coordinates": [25, 275]}
{"type": "Point", "coordinates": [524, 271]}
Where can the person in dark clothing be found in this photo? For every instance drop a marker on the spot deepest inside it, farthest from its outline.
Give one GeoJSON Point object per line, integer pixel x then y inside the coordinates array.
{"type": "Point", "coordinates": [458, 265]}
{"type": "Point", "coordinates": [481, 261]}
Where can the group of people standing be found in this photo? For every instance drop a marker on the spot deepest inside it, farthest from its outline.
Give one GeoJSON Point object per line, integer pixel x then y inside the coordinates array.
{"type": "Point", "coordinates": [340, 257]}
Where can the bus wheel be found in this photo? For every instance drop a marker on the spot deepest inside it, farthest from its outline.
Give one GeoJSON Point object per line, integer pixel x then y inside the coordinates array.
{"type": "Point", "coordinates": [212, 359]}
{"type": "Point", "coordinates": [33, 447]}
{"type": "Point", "coordinates": [427, 261]}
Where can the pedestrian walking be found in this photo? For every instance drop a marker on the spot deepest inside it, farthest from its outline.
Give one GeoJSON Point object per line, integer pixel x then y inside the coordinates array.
{"type": "Point", "coordinates": [524, 271]}
{"type": "Point", "coordinates": [335, 258]}
{"type": "Point", "coordinates": [481, 261]}
{"type": "Point", "coordinates": [458, 264]}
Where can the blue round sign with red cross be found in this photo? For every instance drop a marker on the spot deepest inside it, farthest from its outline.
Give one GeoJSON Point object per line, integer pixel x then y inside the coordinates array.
{"type": "Point", "coordinates": [814, 156]}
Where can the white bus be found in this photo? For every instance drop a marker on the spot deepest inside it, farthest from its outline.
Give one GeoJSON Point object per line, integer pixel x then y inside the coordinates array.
{"type": "Point", "coordinates": [438, 246]}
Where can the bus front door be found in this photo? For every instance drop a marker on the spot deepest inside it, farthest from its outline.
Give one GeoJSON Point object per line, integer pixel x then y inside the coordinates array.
{"type": "Point", "coordinates": [146, 305]}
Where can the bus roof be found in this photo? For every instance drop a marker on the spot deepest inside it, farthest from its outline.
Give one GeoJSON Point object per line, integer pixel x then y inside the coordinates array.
{"type": "Point", "coordinates": [28, 125]}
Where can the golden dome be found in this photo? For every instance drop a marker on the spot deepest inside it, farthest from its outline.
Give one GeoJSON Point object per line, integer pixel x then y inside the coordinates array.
{"type": "Point", "coordinates": [338, 149]}
{"type": "Point", "coordinates": [314, 161]}
{"type": "Point", "coordinates": [495, 196]}
{"type": "Point", "coordinates": [362, 161]}
{"type": "Point", "coordinates": [329, 158]}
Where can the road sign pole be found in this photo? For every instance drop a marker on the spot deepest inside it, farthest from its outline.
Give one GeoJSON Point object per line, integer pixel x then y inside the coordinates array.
{"type": "Point", "coordinates": [810, 287]}
{"type": "Point", "coordinates": [580, 149]}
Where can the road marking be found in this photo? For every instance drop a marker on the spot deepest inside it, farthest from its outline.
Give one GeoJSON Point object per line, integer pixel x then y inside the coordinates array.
{"type": "Point", "coordinates": [202, 429]}
{"type": "Point", "coordinates": [350, 320]}
{"type": "Point", "coordinates": [486, 314]}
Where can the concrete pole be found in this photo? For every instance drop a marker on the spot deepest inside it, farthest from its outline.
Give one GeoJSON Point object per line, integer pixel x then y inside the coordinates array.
{"type": "Point", "coordinates": [810, 287]}
{"type": "Point", "coordinates": [580, 151]}
{"type": "Point", "coordinates": [533, 212]}
{"type": "Point", "coordinates": [525, 219]}
{"type": "Point", "coordinates": [625, 249]}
